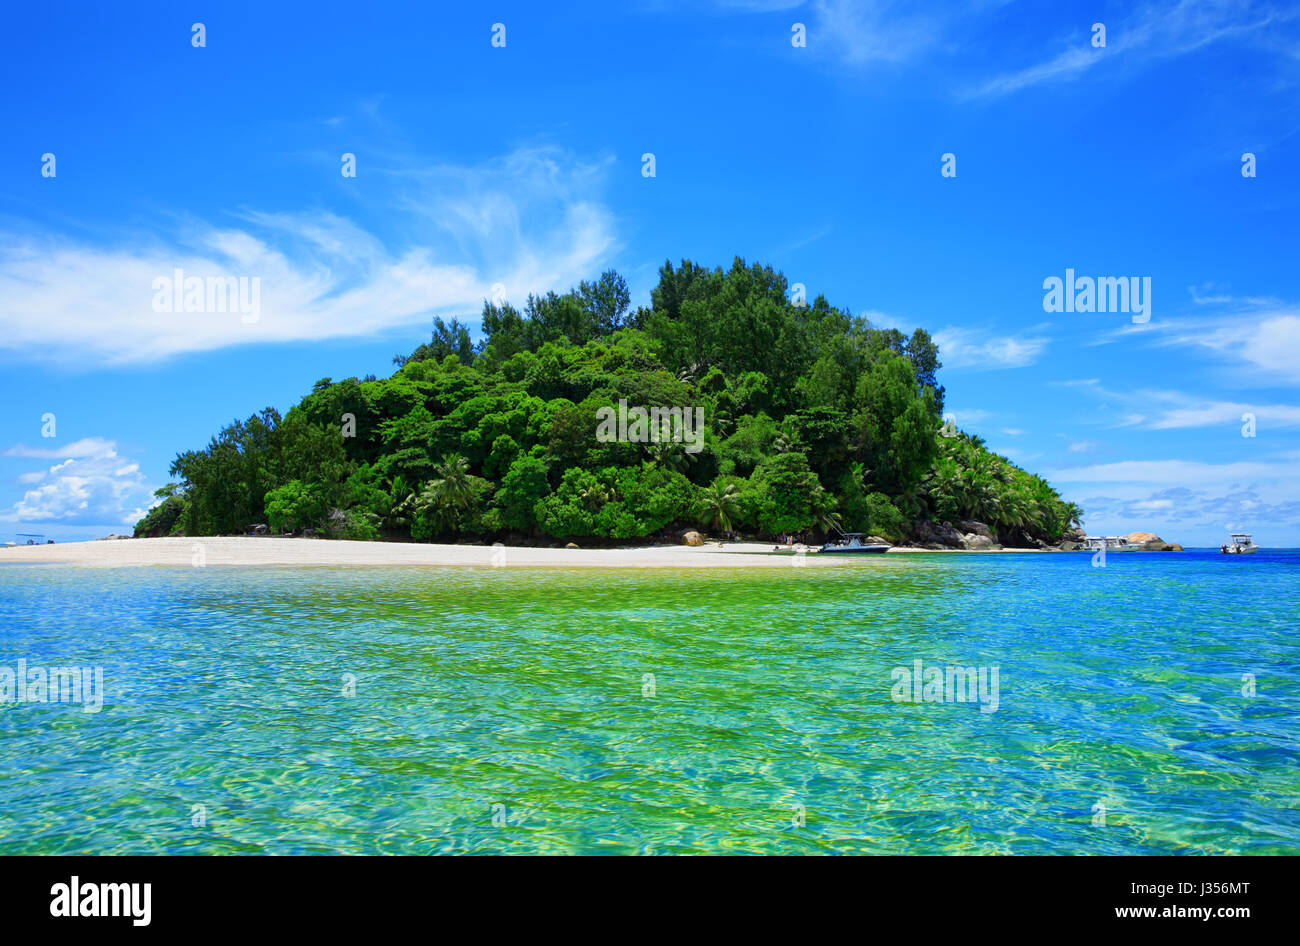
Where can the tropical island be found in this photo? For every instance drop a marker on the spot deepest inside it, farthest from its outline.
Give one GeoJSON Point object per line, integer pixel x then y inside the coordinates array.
{"type": "Point", "coordinates": [812, 420]}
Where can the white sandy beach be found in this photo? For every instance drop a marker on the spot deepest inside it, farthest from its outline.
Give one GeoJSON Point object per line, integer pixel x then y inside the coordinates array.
{"type": "Point", "coordinates": [239, 550]}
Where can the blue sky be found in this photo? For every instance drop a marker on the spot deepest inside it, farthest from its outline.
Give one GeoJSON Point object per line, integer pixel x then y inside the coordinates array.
{"type": "Point", "coordinates": [521, 165]}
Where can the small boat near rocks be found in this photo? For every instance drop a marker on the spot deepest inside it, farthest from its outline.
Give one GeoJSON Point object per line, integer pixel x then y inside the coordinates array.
{"type": "Point", "coordinates": [851, 543]}
{"type": "Point", "coordinates": [1111, 543]}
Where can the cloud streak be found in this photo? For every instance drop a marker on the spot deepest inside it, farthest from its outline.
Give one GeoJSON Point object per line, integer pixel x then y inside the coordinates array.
{"type": "Point", "coordinates": [970, 348]}
{"type": "Point", "coordinates": [1153, 32]}
{"type": "Point", "coordinates": [1261, 334]}
{"type": "Point", "coordinates": [1157, 409]}
{"type": "Point", "coordinates": [530, 222]}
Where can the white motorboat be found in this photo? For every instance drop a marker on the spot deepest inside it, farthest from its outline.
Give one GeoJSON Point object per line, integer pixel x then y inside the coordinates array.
{"type": "Point", "coordinates": [1239, 543]}
{"type": "Point", "coordinates": [852, 542]}
{"type": "Point", "coordinates": [1111, 543]}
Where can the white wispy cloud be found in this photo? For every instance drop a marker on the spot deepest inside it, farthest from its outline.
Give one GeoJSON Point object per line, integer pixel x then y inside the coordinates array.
{"type": "Point", "coordinates": [1270, 342]}
{"type": "Point", "coordinates": [1173, 411]}
{"type": "Point", "coordinates": [971, 348]}
{"type": "Point", "coordinates": [1152, 32]}
{"type": "Point", "coordinates": [1212, 295]}
{"type": "Point", "coordinates": [867, 32]}
{"type": "Point", "coordinates": [1257, 333]}
{"type": "Point", "coordinates": [1167, 409]}
{"type": "Point", "coordinates": [1065, 65]}
{"type": "Point", "coordinates": [971, 415]}
{"type": "Point", "coordinates": [1181, 472]}
{"type": "Point", "coordinates": [530, 221]}
{"type": "Point", "coordinates": [86, 447]}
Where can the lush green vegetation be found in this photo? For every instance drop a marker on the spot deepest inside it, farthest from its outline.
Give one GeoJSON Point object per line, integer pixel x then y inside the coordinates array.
{"type": "Point", "coordinates": [813, 417]}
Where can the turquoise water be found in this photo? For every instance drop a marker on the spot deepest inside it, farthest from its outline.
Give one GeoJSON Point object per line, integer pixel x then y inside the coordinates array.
{"type": "Point", "coordinates": [509, 710]}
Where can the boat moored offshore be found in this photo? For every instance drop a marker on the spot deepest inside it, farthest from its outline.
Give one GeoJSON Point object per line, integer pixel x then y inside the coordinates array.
{"type": "Point", "coordinates": [1239, 543]}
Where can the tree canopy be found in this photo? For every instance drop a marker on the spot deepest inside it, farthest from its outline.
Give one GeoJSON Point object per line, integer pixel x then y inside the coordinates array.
{"type": "Point", "coordinates": [811, 415]}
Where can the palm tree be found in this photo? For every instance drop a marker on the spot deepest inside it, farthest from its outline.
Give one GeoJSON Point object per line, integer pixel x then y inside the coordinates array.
{"type": "Point", "coordinates": [720, 505]}
{"type": "Point", "coordinates": [1015, 508]}
{"type": "Point", "coordinates": [453, 474]}
{"type": "Point", "coordinates": [448, 494]}
{"type": "Point", "coordinates": [403, 502]}
{"type": "Point", "coordinates": [722, 422]}
{"type": "Point", "coordinates": [945, 490]}
{"type": "Point", "coordinates": [594, 496]}
{"type": "Point", "coordinates": [823, 508]}
{"type": "Point", "coordinates": [829, 519]}
{"type": "Point", "coordinates": [669, 454]}
{"type": "Point", "coordinates": [861, 476]}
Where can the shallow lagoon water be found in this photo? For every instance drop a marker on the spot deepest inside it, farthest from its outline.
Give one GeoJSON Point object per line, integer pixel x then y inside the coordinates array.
{"type": "Point", "coordinates": [509, 710]}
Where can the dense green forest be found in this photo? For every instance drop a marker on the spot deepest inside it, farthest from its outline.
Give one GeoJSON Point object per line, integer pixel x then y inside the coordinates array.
{"type": "Point", "coordinates": [813, 418]}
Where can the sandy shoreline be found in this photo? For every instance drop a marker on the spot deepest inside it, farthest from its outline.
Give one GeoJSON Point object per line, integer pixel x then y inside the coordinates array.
{"type": "Point", "coordinates": [241, 550]}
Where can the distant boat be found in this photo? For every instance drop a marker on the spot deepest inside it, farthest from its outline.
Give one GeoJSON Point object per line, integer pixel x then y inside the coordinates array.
{"type": "Point", "coordinates": [1111, 543]}
{"type": "Point", "coordinates": [851, 542]}
{"type": "Point", "coordinates": [1240, 543]}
